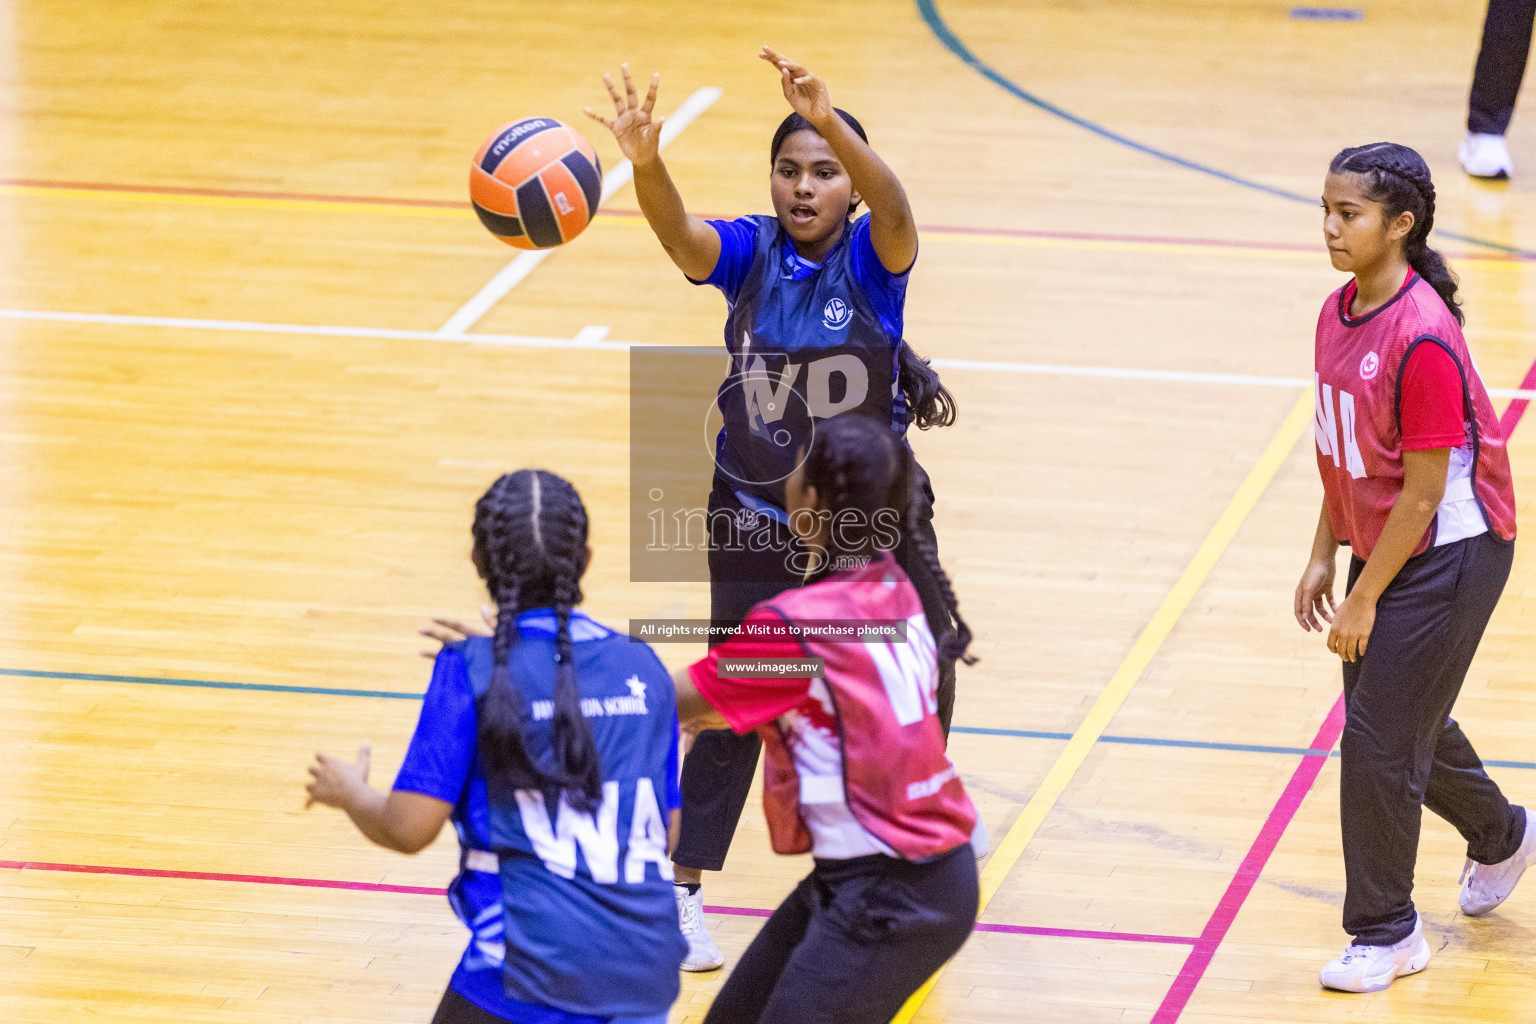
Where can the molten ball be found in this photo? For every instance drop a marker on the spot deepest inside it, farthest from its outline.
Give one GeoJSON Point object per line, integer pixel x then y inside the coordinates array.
{"type": "Point", "coordinates": [535, 183]}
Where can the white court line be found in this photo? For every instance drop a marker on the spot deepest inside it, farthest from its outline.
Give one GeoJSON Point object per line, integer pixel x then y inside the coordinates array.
{"type": "Point", "coordinates": [595, 339]}
{"type": "Point", "coordinates": [524, 263]}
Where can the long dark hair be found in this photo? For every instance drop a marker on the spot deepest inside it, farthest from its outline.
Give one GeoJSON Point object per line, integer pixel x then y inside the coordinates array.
{"type": "Point", "coordinates": [865, 478]}
{"type": "Point", "coordinates": [530, 545]}
{"type": "Point", "coordinates": [1398, 178]}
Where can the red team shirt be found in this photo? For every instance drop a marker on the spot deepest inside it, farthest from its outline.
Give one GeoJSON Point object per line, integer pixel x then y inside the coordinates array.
{"type": "Point", "coordinates": [1400, 378]}
{"type": "Point", "coordinates": [855, 761]}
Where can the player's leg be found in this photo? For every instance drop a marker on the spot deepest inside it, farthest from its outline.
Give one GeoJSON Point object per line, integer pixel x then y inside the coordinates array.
{"type": "Point", "coordinates": [742, 998]}
{"type": "Point", "coordinates": [748, 563]}
{"type": "Point", "coordinates": [455, 1009]}
{"type": "Point", "coordinates": [1496, 80]}
{"type": "Point", "coordinates": [1397, 698]}
{"type": "Point", "coordinates": [884, 927]}
{"type": "Point", "coordinates": [1459, 789]}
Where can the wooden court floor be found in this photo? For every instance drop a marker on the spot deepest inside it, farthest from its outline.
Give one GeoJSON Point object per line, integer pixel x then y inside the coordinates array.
{"type": "Point", "coordinates": [238, 457]}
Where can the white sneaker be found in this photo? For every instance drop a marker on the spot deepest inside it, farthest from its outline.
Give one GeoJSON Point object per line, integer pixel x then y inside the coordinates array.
{"type": "Point", "coordinates": [703, 954]}
{"type": "Point", "coordinates": [1488, 885]}
{"type": "Point", "coordinates": [1485, 156]}
{"type": "Point", "coordinates": [981, 839]}
{"type": "Point", "coordinates": [1373, 968]}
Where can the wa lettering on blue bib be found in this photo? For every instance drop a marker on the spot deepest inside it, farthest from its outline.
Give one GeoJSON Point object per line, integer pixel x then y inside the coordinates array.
{"type": "Point", "coordinates": [574, 922]}
{"type": "Point", "coordinates": [590, 919]}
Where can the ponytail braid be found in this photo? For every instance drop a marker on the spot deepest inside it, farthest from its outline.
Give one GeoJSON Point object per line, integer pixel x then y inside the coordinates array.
{"type": "Point", "coordinates": [530, 537]}
{"type": "Point", "coordinates": [1399, 179]}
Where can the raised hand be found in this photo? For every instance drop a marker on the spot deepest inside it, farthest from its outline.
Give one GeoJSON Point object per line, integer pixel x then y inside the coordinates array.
{"type": "Point", "coordinates": [638, 135]}
{"type": "Point", "coordinates": [451, 631]}
{"type": "Point", "coordinates": [806, 93]}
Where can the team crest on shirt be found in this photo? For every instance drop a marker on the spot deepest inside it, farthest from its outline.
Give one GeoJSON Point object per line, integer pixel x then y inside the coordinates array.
{"type": "Point", "coordinates": [836, 314]}
{"type": "Point", "coordinates": [1369, 365]}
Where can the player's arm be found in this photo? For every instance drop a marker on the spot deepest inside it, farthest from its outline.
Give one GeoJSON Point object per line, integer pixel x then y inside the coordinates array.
{"type": "Point", "coordinates": [689, 240]}
{"type": "Point", "coordinates": [694, 713]}
{"type": "Point", "coordinates": [1423, 488]}
{"type": "Point", "coordinates": [401, 821]}
{"type": "Point", "coordinates": [892, 231]}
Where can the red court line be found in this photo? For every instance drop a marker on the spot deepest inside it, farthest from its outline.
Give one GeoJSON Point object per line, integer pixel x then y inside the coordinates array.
{"type": "Point", "coordinates": [215, 876]}
{"type": "Point", "coordinates": [225, 193]}
{"type": "Point", "coordinates": [937, 229]}
{"type": "Point", "coordinates": [424, 890]}
{"type": "Point", "coordinates": [1248, 872]}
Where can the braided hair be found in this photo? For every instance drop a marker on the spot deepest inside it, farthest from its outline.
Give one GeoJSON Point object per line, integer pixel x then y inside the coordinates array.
{"type": "Point", "coordinates": [866, 479]}
{"type": "Point", "coordinates": [1398, 178]}
{"type": "Point", "coordinates": [530, 536]}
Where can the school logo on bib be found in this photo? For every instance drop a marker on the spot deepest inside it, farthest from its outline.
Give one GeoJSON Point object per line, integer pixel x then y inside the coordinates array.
{"type": "Point", "coordinates": [1369, 365]}
{"type": "Point", "coordinates": [836, 314]}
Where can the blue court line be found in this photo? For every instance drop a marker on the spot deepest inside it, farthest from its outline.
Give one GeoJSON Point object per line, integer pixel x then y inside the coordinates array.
{"type": "Point", "coordinates": [1032, 734]}
{"type": "Point", "coordinates": [930, 12]}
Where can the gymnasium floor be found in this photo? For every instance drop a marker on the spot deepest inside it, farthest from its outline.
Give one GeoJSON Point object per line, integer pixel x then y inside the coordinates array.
{"type": "Point", "coordinates": [238, 455]}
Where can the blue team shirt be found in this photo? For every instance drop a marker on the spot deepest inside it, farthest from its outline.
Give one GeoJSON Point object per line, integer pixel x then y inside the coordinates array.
{"type": "Point", "coordinates": [887, 292]}
{"type": "Point", "coordinates": [442, 762]}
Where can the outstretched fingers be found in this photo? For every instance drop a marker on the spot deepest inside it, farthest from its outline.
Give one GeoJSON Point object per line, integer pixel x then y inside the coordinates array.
{"type": "Point", "coordinates": [629, 88]}
{"type": "Point", "coordinates": [650, 96]}
{"type": "Point", "coordinates": [618, 101]}
{"type": "Point", "coordinates": [599, 118]}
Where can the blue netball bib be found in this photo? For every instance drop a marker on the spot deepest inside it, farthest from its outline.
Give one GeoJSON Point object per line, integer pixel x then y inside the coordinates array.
{"type": "Point", "coordinates": [590, 919]}
{"type": "Point", "coordinates": [806, 344]}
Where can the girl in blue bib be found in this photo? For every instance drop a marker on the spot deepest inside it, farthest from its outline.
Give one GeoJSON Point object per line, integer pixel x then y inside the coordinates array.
{"type": "Point", "coordinates": [552, 747]}
{"type": "Point", "coordinates": [814, 328]}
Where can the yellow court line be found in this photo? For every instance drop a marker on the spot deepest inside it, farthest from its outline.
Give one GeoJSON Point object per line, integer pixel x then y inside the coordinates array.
{"type": "Point", "coordinates": [1126, 676]}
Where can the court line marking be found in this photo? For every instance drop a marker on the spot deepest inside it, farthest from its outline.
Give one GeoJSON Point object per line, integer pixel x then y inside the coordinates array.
{"type": "Point", "coordinates": [424, 890]}
{"type": "Point", "coordinates": [1248, 872]}
{"type": "Point", "coordinates": [329, 691]}
{"type": "Point", "coordinates": [1273, 830]}
{"type": "Point", "coordinates": [458, 210]}
{"type": "Point", "coordinates": [588, 339]}
{"type": "Point", "coordinates": [1115, 692]}
{"type": "Point", "coordinates": [525, 262]}
{"type": "Point", "coordinates": [941, 31]}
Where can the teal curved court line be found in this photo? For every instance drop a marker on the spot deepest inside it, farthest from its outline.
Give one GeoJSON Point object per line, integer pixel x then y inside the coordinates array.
{"type": "Point", "coordinates": [935, 22]}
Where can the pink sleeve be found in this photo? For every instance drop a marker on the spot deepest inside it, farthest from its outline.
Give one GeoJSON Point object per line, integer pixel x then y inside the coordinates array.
{"type": "Point", "coordinates": [748, 703]}
{"type": "Point", "coordinates": [1431, 409]}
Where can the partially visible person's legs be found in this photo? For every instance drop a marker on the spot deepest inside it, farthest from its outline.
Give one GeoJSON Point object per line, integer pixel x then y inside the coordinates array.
{"type": "Point", "coordinates": [879, 928]}
{"type": "Point", "coordinates": [748, 563]}
{"type": "Point", "coordinates": [1398, 748]}
{"type": "Point", "coordinates": [752, 981]}
{"type": "Point", "coordinates": [1495, 85]}
{"type": "Point", "coordinates": [455, 1009]}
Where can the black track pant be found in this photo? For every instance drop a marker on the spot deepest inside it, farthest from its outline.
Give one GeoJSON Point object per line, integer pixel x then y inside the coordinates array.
{"type": "Point", "coordinates": [852, 942]}
{"type": "Point", "coordinates": [1500, 65]}
{"type": "Point", "coordinates": [718, 771]}
{"type": "Point", "coordinates": [1401, 750]}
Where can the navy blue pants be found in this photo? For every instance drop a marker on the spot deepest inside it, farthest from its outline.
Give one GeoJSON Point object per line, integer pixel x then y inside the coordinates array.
{"type": "Point", "coordinates": [1401, 750]}
{"type": "Point", "coordinates": [853, 941]}
{"type": "Point", "coordinates": [718, 771]}
{"type": "Point", "coordinates": [1500, 65]}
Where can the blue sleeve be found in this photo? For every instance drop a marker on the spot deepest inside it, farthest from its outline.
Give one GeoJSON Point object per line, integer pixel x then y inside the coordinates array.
{"type": "Point", "coordinates": [674, 777]}
{"type": "Point", "coordinates": [738, 239]}
{"type": "Point", "coordinates": [887, 292]}
{"type": "Point", "coordinates": [442, 752]}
